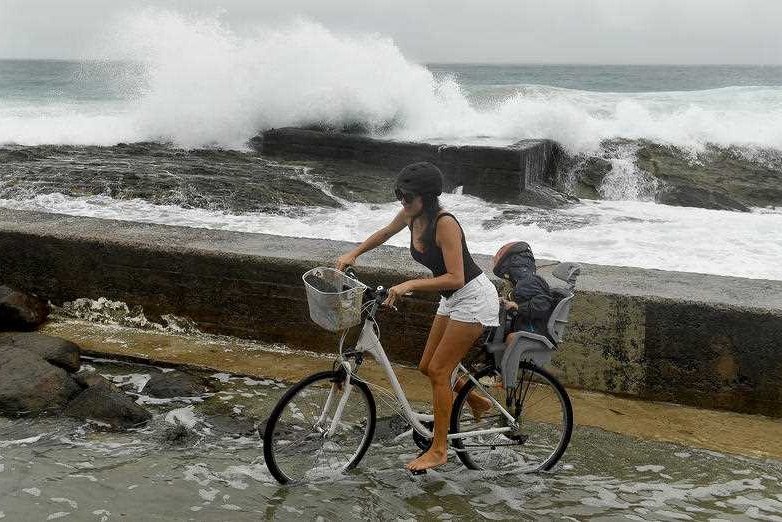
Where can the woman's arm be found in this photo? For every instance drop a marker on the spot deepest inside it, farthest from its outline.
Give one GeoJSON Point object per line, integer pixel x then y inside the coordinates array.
{"type": "Point", "coordinates": [373, 241]}
{"type": "Point", "coordinates": [449, 239]}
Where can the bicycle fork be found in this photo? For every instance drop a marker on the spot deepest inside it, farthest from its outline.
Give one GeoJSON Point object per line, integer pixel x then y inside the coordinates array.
{"type": "Point", "coordinates": [347, 387]}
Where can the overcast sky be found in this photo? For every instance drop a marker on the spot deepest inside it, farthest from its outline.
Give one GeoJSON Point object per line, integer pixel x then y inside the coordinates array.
{"type": "Point", "coordinates": [516, 31]}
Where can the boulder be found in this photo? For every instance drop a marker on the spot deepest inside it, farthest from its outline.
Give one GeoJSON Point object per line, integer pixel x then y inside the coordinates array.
{"type": "Point", "coordinates": [103, 402]}
{"type": "Point", "coordinates": [542, 196]}
{"type": "Point", "coordinates": [28, 384]}
{"type": "Point", "coordinates": [20, 311]}
{"type": "Point", "coordinates": [582, 175]}
{"type": "Point", "coordinates": [682, 195]}
{"type": "Point", "coordinates": [161, 174]}
{"type": "Point", "coordinates": [175, 384]}
{"type": "Point", "coordinates": [56, 351]}
{"type": "Point", "coordinates": [590, 173]}
{"type": "Point", "coordinates": [87, 379]}
{"type": "Point", "coordinates": [717, 178]}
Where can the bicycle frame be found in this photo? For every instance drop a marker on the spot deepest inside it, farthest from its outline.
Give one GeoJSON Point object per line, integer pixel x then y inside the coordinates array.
{"type": "Point", "coordinates": [368, 342]}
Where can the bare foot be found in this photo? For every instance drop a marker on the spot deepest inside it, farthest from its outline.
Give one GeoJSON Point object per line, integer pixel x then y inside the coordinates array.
{"type": "Point", "coordinates": [479, 407]}
{"type": "Point", "coordinates": [428, 460]}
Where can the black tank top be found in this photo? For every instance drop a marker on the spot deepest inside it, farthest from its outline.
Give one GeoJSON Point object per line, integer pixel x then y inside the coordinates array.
{"type": "Point", "coordinates": [432, 257]}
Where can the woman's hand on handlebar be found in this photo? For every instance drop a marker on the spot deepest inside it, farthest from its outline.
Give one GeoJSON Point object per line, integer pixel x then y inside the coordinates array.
{"type": "Point", "coordinates": [396, 292]}
{"type": "Point", "coordinates": [345, 260]}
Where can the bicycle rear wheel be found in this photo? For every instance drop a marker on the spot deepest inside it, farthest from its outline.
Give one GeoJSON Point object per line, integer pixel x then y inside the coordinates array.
{"type": "Point", "coordinates": [296, 445]}
{"type": "Point", "coordinates": [540, 405]}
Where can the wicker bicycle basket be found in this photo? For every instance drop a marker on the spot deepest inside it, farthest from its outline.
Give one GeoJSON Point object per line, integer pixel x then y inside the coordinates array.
{"type": "Point", "coordinates": [334, 299]}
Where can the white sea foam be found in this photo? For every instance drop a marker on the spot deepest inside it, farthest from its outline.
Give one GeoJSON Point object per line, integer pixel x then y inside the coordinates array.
{"type": "Point", "coordinates": [183, 416]}
{"type": "Point", "coordinates": [68, 123]}
{"type": "Point", "coordinates": [72, 503]}
{"type": "Point", "coordinates": [222, 377]}
{"type": "Point", "coordinates": [208, 85]}
{"type": "Point", "coordinates": [623, 233]}
{"type": "Point", "coordinates": [304, 73]}
{"type": "Point", "coordinates": [136, 381]}
{"type": "Point", "coordinates": [28, 440]}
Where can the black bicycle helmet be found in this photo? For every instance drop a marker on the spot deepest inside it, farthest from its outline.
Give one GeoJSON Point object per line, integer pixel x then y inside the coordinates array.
{"type": "Point", "coordinates": [420, 178]}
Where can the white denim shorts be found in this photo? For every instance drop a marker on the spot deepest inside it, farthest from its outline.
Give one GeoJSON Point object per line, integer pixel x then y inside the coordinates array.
{"type": "Point", "coordinates": [475, 302]}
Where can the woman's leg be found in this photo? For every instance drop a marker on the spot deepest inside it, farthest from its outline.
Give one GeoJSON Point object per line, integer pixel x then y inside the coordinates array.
{"type": "Point", "coordinates": [456, 341]}
{"type": "Point", "coordinates": [479, 404]}
{"type": "Point", "coordinates": [435, 335]}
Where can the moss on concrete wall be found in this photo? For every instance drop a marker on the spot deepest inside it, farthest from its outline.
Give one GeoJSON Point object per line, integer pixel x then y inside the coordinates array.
{"type": "Point", "coordinates": [694, 339]}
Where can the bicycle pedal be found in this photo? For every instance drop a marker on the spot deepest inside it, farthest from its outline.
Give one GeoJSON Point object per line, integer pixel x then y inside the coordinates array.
{"type": "Point", "coordinates": [521, 438]}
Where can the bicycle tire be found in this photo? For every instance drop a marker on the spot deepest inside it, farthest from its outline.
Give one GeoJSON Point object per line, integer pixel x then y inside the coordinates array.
{"type": "Point", "coordinates": [534, 436]}
{"type": "Point", "coordinates": [276, 428]}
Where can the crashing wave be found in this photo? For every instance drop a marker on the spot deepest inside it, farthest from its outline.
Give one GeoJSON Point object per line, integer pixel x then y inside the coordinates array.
{"type": "Point", "coordinates": [206, 85]}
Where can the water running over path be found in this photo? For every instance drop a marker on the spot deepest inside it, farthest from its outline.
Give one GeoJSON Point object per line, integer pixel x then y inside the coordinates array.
{"type": "Point", "coordinates": [200, 459]}
{"type": "Point", "coordinates": [186, 466]}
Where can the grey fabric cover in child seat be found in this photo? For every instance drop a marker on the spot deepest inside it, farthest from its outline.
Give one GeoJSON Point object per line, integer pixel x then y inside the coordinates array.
{"type": "Point", "coordinates": [535, 300]}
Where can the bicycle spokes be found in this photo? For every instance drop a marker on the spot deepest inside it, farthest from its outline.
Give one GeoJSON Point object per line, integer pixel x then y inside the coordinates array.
{"type": "Point", "coordinates": [538, 436]}
{"type": "Point", "coordinates": [305, 438]}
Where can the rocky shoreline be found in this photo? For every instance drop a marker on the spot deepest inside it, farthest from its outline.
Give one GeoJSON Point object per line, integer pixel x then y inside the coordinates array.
{"type": "Point", "coordinates": [240, 182]}
{"type": "Point", "coordinates": [721, 179]}
{"type": "Point", "coordinates": [44, 375]}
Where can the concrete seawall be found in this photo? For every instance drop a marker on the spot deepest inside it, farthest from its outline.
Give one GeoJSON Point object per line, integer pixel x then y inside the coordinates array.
{"type": "Point", "coordinates": [499, 174]}
{"type": "Point", "coordinates": [695, 339]}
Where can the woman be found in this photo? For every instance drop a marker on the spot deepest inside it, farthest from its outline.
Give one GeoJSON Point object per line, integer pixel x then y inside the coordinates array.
{"type": "Point", "coordinates": [469, 300]}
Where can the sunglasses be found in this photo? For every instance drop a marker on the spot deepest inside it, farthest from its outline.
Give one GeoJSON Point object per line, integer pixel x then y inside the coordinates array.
{"type": "Point", "coordinates": [407, 197]}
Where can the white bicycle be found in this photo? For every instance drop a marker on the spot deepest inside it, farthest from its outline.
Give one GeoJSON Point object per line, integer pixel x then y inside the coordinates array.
{"type": "Point", "coordinates": [326, 422]}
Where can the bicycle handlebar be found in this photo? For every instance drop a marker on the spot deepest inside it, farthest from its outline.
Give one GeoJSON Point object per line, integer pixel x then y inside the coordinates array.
{"type": "Point", "coordinates": [379, 294]}
{"type": "Point", "coordinates": [351, 272]}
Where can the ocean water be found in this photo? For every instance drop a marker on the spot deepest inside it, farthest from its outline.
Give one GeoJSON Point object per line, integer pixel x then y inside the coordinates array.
{"type": "Point", "coordinates": [194, 84]}
{"type": "Point", "coordinates": [104, 103]}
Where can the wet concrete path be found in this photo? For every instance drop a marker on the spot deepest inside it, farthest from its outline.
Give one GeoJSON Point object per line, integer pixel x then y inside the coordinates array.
{"type": "Point", "coordinates": [749, 435]}
{"type": "Point", "coordinates": [201, 457]}
{"type": "Point", "coordinates": [191, 463]}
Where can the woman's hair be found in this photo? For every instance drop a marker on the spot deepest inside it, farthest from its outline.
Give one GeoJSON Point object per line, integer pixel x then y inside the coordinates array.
{"type": "Point", "coordinates": [431, 208]}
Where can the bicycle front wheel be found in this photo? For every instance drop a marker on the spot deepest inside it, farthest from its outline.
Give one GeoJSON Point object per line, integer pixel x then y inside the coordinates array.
{"type": "Point", "coordinates": [541, 407]}
{"type": "Point", "coordinates": [301, 440]}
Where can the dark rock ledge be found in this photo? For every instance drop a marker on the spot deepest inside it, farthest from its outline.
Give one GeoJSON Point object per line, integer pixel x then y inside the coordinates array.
{"type": "Point", "coordinates": [39, 374]}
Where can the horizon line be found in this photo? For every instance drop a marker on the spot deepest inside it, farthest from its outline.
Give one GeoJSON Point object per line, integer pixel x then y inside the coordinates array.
{"type": "Point", "coordinates": [474, 63]}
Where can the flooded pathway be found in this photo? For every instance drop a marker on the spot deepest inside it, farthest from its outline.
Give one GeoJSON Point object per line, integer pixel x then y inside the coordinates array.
{"type": "Point", "coordinates": [201, 459]}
